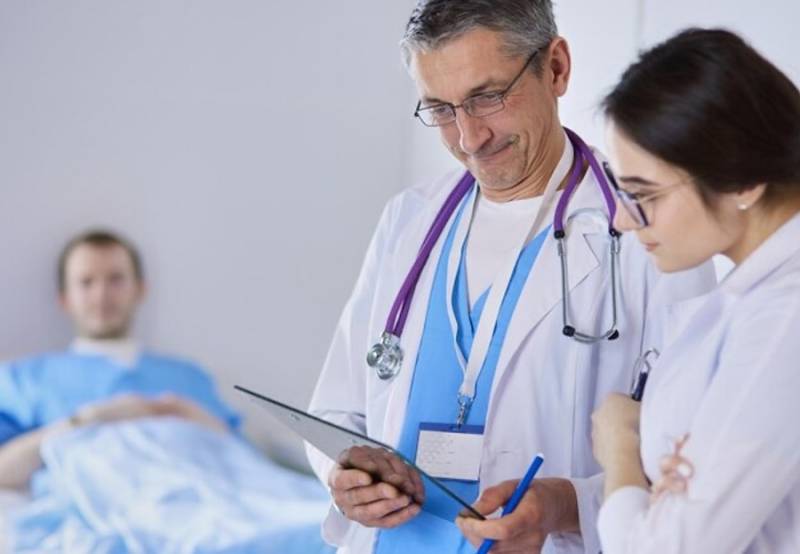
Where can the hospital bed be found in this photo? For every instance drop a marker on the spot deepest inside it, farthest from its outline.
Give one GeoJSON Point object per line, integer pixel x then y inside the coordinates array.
{"type": "Point", "coordinates": [162, 485]}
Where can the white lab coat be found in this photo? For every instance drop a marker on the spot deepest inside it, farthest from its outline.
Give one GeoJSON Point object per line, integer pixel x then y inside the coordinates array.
{"type": "Point", "coordinates": [731, 379]}
{"type": "Point", "coordinates": [546, 385]}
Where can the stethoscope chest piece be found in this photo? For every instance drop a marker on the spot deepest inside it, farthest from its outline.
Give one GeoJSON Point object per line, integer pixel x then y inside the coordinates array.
{"type": "Point", "coordinates": [386, 356]}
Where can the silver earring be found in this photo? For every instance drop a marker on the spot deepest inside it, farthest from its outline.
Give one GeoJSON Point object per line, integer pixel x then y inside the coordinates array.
{"type": "Point", "coordinates": [743, 207]}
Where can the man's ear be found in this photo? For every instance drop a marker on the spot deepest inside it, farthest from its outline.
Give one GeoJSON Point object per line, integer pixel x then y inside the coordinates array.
{"type": "Point", "coordinates": [558, 67]}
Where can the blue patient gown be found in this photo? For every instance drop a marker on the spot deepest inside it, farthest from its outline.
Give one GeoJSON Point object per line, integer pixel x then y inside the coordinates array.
{"type": "Point", "coordinates": [216, 493]}
{"type": "Point", "coordinates": [437, 378]}
{"type": "Point", "coordinates": [40, 390]}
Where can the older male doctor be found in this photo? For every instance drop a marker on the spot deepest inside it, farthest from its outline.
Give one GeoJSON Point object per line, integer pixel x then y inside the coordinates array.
{"type": "Point", "coordinates": [483, 343]}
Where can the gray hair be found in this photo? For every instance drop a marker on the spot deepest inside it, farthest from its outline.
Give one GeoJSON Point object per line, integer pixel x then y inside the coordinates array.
{"type": "Point", "coordinates": [526, 25]}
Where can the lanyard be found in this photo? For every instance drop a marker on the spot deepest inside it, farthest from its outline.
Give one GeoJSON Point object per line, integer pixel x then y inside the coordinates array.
{"type": "Point", "coordinates": [491, 311]}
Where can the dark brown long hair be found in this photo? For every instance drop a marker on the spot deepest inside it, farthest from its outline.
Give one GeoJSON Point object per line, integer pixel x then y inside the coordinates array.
{"type": "Point", "coordinates": [707, 102]}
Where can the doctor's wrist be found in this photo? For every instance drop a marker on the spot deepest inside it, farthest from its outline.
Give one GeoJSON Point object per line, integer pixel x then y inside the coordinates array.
{"type": "Point", "coordinates": [568, 522]}
{"type": "Point", "coordinates": [557, 505]}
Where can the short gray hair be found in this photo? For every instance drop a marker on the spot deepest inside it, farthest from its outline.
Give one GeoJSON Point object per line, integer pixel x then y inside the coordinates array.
{"type": "Point", "coordinates": [526, 25]}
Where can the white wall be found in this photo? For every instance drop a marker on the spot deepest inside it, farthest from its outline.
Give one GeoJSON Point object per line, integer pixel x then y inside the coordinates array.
{"type": "Point", "coordinates": [247, 147]}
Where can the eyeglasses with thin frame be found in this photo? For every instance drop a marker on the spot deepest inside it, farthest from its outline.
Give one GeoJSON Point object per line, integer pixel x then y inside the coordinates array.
{"type": "Point", "coordinates": [633, 203]}
{"type": "Point", "coordinates": [479, 105]}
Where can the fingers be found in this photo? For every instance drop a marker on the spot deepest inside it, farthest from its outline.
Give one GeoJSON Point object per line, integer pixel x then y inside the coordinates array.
{"type": "Point", "coordinates": [345, 479]}
{"type": "Point", "coordinates": [371, 504]}
{"type": "Point", "coordinates": [405, 478]}
{"type": "Point", "coordinates": [387, 467]}
{"type": "Point", "coordinates": [397, 518]}
{"type": "Point", "coordinates": [511, 534]}
{"type": "Point", "coordinates": [474, 538]}
{"type": "Point", "coordinates": [361, 457]}
{"type": "Point", "coordinates": [383, 513]}
{"type": "Point", "coordinates": [498, 529]}
{"type": "Point", "coordinates": [373, 493]}
{"type": "Point", "coordinates": [349, 491]}
{"type": "Point", "coordinates": [519, 531]}
{"type": "Point", "coordinates": [495, 497]}
{"type": "Point", "coordinates": [170, 404]}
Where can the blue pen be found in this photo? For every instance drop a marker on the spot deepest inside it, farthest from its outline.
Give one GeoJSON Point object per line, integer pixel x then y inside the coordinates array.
{"type": "Point", "coordinates": [519, 492]}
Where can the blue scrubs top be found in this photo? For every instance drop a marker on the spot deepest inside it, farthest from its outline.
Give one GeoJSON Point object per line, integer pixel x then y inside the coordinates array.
{"type": "Point", "coordinates": [437, 378]}
{"type": "Point", "coordinates": [41, 390]}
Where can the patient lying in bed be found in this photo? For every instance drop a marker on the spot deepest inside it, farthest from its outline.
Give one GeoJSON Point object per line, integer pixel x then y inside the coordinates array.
{"type": "Point", "coordinates": [123, 450]}
{"type": "Point", "coordinates": [165, 485]}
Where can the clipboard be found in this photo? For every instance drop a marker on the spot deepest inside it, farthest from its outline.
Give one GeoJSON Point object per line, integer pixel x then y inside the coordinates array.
{"type": "Point", "coordinates": [332, 440]}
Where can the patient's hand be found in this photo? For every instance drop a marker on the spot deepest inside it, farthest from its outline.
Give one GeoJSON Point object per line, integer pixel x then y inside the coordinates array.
{"type": "Point", "coordinates": [133, 406]}
{"type": "Point", "coordinates": [375, 488]}
{"type": "Point", "coordinates": [118, 408]}
{"type": "Point", "coordinates": [173, 405]}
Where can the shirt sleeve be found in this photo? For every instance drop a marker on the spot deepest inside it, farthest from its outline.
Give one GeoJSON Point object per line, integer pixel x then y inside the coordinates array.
{"type": "Point", "coordinates": [203, 390]}
{"type": "Point", "coordinates": [589, 492]}
{"type": "Point", "coordinates": [742, 445]}
{"type": "Point", "coordinates": [222, 410]}
{"type": "Point", "coordinates": [17, 413]}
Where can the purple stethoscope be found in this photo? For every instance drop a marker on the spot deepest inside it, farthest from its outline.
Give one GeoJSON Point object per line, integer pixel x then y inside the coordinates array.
{"type": "Point", "coordinates": [386, 356]}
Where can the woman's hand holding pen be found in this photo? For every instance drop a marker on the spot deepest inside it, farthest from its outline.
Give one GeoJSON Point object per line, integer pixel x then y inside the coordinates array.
{"type": "Point", "coordinates": [615, 439]}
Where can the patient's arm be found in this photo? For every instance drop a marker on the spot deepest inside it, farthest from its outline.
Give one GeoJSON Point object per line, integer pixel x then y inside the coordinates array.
{"type": "Point", "coordinates": [20, 457]}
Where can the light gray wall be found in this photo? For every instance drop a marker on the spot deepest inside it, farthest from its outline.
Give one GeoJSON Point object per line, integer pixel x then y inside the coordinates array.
{"type": "Point", "coordinates": [247, 147]}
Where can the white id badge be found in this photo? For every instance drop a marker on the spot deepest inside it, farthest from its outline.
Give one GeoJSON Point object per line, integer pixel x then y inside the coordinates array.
{"type": "Point", "coordinates": [447, 451]}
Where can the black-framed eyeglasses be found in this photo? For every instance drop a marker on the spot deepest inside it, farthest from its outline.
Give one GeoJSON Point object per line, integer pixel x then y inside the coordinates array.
{"type": "Point", "coordinates": [633, 203]}
{"type": "Point", "coordinates": [479, 105]}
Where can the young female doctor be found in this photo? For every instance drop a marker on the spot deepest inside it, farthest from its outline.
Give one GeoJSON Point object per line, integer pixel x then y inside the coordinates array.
{"type": "Point", "coordinates": [705, 143]}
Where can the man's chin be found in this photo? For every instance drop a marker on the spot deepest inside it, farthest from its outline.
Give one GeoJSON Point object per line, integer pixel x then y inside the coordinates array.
{"type": "Point", "coordinates": [492, 180]}
{"type": "Point", "coordinates": [495, 176]}
{"type": "Point", "coordinates": [110, 332]}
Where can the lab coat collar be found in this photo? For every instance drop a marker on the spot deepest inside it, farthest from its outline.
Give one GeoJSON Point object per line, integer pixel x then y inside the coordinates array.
{"type": "Point", "coordinates": [540, 295]}
{"type": "Point", "coordinates": [542, 292]}
{"type": "Point", "coordinates": [407, 248]}
{"type": "Point", "coordinates": [780, 247]}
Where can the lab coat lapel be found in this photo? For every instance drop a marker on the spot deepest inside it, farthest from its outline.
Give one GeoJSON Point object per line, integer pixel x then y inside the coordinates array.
{"type": "Point", "coordinates": [542, 291]}
{"type": "Point", "coordinates": [408, 247]}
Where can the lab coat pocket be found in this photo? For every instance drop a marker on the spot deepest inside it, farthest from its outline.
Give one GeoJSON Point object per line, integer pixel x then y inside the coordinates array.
{"type": "Point", "coordinates": [502, 465]}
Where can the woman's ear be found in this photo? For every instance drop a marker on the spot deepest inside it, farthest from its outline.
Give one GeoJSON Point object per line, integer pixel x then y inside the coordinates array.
{"type": "Point", "coordinates": [747, 198]}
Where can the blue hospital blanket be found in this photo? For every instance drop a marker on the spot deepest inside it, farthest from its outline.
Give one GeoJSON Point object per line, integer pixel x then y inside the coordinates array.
{"type": "Point", "coordinates": [166, 486]}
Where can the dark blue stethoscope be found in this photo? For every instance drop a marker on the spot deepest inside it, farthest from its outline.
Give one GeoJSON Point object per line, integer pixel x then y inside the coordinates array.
{"type": "Point", "coordinates": [386, 356]}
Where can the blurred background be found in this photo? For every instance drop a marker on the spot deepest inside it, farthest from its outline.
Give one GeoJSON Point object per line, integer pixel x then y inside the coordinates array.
{"type": "Point", "coordinates": [247, 147]}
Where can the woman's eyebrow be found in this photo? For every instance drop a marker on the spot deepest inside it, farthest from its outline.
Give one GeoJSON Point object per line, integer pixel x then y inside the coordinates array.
{"type": "Point", "coordinates": [637, 181]}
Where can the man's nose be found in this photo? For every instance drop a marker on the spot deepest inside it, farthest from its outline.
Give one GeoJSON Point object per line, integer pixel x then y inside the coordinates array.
{"type": "Point", "coordinates": [473, 132]}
